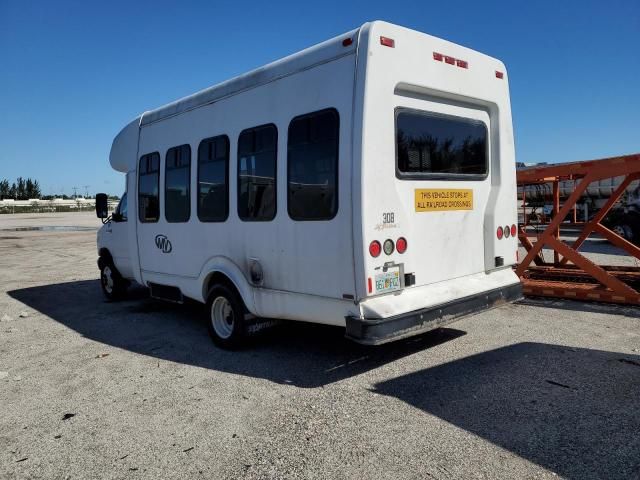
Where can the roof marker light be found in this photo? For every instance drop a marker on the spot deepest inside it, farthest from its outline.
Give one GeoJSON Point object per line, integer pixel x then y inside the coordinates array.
{"type": "Point", "coordinates": [449, 60]}
{"type": "Point", "coordinates": [347, 41]}
{"type": "Point", "coordinates": [499, 74]}
{"type": "Point", "coordinates": [438, 57]}
{"type": "Point", "coordinates": [387, 42]}
{"type": "Point", "coordinates": [462, 64]}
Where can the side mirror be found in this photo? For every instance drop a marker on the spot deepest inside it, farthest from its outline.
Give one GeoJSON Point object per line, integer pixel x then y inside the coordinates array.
{"type": "Point", "coordinates": [102, 207]}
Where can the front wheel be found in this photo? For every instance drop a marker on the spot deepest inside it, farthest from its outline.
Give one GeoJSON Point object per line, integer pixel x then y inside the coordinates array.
{"type": "Point", "coordinates": [226, 313]}
{"type": "Point", "coordinates": [113, 285]}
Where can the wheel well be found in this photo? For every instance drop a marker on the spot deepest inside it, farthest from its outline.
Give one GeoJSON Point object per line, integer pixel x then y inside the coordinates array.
{"type": "Point", "coordinates": [221, 278]}
{"type": "Point", "coordinates": [104, 256]}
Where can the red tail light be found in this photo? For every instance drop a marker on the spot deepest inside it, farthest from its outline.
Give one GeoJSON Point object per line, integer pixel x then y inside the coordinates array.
{"type": "Point", "coordinates": [375, 248]}
{"type": "Point", "coordinates": [499, 233]}
{"type": "Point", "coordinates": [514, 230]}
{"type": "Point", "coordinates": [401, 245]}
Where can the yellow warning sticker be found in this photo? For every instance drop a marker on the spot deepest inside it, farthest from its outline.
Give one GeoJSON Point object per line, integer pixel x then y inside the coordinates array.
{"type": "Point", "coordinates": [436, 199]}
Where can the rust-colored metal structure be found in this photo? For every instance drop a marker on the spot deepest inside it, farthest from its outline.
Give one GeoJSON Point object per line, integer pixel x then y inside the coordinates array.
{"type": "Point", "coordinates": [572, 275]}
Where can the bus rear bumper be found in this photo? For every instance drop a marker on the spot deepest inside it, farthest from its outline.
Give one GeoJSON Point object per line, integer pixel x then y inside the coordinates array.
{"type": "Point", "coordinates": [383, 330]}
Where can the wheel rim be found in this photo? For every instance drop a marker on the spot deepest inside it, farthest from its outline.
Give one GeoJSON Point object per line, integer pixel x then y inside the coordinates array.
{"type": "Point", "coordinates": [620, 230]}
{"type": "Point", "coordinates": [107, 279]}
{"type": "Point", "coordinates": [222, 317]}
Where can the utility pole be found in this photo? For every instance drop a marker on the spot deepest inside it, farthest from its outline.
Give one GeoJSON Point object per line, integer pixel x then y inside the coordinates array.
{"type": "Point", "coordinates": [75, 192]}
{"type": "Point", "coordinates": [86, 191]}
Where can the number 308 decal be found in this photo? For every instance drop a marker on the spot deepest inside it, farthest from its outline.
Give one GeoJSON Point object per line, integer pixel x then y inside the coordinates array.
{"type": "Point", "coordinates": [388, 217]}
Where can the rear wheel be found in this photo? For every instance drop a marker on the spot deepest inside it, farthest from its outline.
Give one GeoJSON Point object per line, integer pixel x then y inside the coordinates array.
{"type": "Point", "coordinates": [226, 322]}
{"type": "Point", "coordinates": [113, 285]}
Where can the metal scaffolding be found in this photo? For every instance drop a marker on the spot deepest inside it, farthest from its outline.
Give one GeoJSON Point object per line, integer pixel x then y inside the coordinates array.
{"type": "Point", "coordinates": [572, 275]}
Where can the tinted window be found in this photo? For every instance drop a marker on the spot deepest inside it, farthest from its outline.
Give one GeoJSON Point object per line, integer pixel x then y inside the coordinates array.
{"type": "Point", "coordinates": [257, 152]}
{"type": "Point", "coordinates": [149, 188]}
{"type": "Point", "coordinates": [312, 166]}
{"type": "Point", "coordinates": [177, 175]}
{"type": "Point", "coordinates": [213, 185]}
{"type": "Point", "coordinates": [429, 144]}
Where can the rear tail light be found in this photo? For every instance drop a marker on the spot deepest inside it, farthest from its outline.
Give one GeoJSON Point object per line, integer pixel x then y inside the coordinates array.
{"type": "Point", "coordinates": [401, 245]}
{"type": "Point", "coordinates": [514, 230]}
{"type": "Point", "coordinates": [499, 234]}
{"type": "Point", "coordinates": [375, 248]}
{"type": "Point", "coordinates": [388, 246]}
{"type": "Point", "coordinates": [507, 231]}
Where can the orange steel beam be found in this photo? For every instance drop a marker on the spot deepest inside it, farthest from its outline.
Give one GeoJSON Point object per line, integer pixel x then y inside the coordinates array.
{"type": "Point", "coordinates": [608, 167]}
{"type": "Point", "coordinates": [555, 222]}
{"type": "Point", "coordinates": [551, 279]}
{"type": "Point", "coordinates": [595, 221]}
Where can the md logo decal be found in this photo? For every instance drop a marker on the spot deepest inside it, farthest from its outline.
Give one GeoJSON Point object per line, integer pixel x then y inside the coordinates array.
{"type": "Point", "coordinates": [163, 243]}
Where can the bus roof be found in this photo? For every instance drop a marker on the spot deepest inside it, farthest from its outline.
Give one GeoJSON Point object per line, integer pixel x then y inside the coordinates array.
{"type": "Point", "coordinates": [305, 59]}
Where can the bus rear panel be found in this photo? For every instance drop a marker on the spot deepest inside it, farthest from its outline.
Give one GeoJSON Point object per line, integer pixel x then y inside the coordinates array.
{"type": "Point", "coordinates": [438, 190]}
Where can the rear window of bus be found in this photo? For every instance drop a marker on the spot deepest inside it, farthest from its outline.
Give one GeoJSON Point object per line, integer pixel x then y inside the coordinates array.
{"type": "Point", "coordinates": [434, 146]}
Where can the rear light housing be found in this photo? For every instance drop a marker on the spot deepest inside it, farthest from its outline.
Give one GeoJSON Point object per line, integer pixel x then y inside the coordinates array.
{"type": "Point", "coordinates": [388, 246]}
{"type": "Point", "coordinates": [375, 248]}
{"type": "Point", "coordinates": [401, 245]}
{"type": "Point", "coordinates": [507, 231]}
{"type": "Point", "coordinates": [514, 230]}
{"type": "Point", "coordinates": [499, 233]}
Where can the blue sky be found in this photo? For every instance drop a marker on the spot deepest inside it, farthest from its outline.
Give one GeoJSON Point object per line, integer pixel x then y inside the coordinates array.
{"type": "Point", "coordinates": [74, 73]}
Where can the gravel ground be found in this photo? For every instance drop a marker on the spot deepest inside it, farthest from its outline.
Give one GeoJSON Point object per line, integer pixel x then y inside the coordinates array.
{"type": "Point", "coordinates": [90, 389]}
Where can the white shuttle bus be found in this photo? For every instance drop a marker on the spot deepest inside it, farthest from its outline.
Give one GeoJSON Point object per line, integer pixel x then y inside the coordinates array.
{"type": "Point", "coordinates": [366, 182]}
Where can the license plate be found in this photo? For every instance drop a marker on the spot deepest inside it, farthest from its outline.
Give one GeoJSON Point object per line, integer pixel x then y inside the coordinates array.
{"type": "Point", "coordinates": [388, 281]}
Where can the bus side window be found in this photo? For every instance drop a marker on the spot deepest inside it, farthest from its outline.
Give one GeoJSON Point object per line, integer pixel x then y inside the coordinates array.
{"type": "Point", "coordinates": [149, 188]}
{"type": "Point", "coordinates": [177, 177]}
{"type": "Point", "coordinates": [312, 166]}
{"type": "Point", "coordinates": [213, 179]}
{"type": "Point", "coordinates": [257, 157]}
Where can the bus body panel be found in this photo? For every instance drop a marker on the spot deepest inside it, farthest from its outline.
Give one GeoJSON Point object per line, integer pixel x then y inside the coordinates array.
{"type": "Point", "coordinates": [320, 271]}
{"type": "Point", "coordinates": [445, 248]}
{"type": "Point", "coordinates": [296, 256]}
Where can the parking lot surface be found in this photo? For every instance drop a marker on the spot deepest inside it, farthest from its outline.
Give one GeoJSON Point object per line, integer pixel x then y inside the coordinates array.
{"type": "Point", "coordinates": [135, 389]}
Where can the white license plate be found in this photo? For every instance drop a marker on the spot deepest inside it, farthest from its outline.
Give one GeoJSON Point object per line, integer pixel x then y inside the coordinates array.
{"type": "Point", "coordinates": [388, 281]}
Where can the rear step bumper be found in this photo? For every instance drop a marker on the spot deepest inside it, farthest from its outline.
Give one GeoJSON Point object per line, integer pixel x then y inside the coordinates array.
{"type": "Point", "coordinates": [383, 330]}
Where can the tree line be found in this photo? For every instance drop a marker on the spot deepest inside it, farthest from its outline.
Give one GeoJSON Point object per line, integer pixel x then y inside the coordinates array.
{"type": "Point", "coordinates": [21, 189]}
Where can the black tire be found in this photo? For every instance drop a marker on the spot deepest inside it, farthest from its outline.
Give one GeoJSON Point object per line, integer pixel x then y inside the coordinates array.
{"type": "Point", "coordinates": [113, 285]}
{"type": "Point", "coordinates": [623, 230]}
{"type": "Point", "coordinates": [226, 317]}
